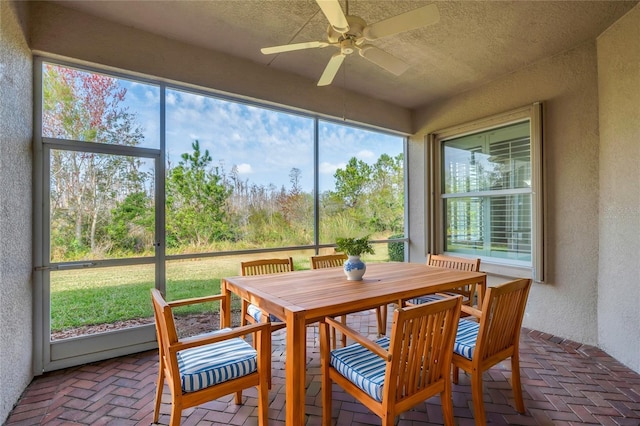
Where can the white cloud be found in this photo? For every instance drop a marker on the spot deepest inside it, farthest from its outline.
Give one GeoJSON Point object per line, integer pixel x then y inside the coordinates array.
{"type": "Point", "coordinates": [263, 143]}
{"type": "Point", "coordinates": [152, 96]}
{"type": "Point", "coordinates": [244, 169]}
{"type": "Point", "coordinates": [365, 155]}
{"type": "Point", "coordinates": [326, 168]}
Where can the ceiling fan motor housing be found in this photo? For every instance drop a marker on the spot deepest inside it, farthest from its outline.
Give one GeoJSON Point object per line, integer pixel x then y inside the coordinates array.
{"type": "Point", "coordinates": [356, 26]}
{"type": "Point", "coordinates": [347, 46]}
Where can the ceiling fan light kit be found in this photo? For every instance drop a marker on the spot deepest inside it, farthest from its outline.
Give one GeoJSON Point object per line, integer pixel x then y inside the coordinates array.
{"type": "Point", "coordinates": [349, 33]}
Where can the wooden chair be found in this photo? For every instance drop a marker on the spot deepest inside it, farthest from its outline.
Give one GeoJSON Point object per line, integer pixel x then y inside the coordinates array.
{"type": "Point", "coordinates": [335, 261]}
{"type": "Point", "coordinates": [251, 314]}
{"type": "Point", "coordinates": [211, 365]}
{"type": "Point", "coordinates": [328, 260]}
{"type": "Point", "coordinates": [393, 374]}
{"type": "Point", "coordinates": [467, 292]}
{"type": "Point", "coordinates": [481, 345]}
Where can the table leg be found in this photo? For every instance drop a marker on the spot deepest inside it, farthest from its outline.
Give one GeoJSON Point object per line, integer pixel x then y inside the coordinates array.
{"type": "Point", "coordinates": [296, 369]}
{"type": "Point", "coordinates": [225, 306]}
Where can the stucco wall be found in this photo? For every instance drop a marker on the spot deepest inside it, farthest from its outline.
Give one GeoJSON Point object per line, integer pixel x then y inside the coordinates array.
{"type": "Point", "coordinates": [619, 266]}
{"type": "Point", "coordinates": [566, 304]}
{"type": "Point", "coordinates": [15, 208]}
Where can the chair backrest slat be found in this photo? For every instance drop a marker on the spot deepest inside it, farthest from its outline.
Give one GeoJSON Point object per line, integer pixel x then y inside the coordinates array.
{"type": "Point", "coordinates": [451, 262]}
{"type": "Point", "coordinates": [328, 260]}
{"type": "Point", "coordinates": [421, 347]}
{"type": "Point", "coordinates": [502, 313]}
{"type": "Point", "coordinates": [458, 263]}
{"type": "Point", "coordinates": [266, 266]}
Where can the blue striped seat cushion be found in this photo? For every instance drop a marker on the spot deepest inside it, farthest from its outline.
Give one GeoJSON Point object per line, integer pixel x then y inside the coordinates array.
{"type": "Point", "coordinates": [256, 313]}
{"type": "Point", "coordinates": [466, 338]}
{"type": "Point", "coordinates": [219, 362]}
{"type": "Point", "coordinates": [426, 299]}
{"type": "Point", "coordinates": [362, 367]}
{"type": "Point", "coordinates": [434, 297]}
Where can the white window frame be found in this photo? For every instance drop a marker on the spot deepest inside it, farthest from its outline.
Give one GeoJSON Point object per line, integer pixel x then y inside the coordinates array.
{"type": "Point", "coordinates": [435, 200]}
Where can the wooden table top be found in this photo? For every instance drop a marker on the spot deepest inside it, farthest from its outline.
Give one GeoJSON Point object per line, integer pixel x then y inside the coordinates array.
{"type": "Point", "coordinates": [327, 292]}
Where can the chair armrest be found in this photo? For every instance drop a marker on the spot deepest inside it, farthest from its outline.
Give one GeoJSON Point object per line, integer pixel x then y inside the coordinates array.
{"type": "Point", "coordinates": [367, 343]}
{"type": "Point", "coordinates": [194, 300]}
{"type": "Point", "coordinates": [192, 342]}
{"type": "Point", "coordinates": [471, 311]}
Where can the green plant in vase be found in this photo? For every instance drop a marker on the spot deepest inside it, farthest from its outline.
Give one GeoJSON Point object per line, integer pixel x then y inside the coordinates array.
{"type": "Point", "coordinates": [354, 246]}
{"type": "Point", "coordinates": [354, 267]}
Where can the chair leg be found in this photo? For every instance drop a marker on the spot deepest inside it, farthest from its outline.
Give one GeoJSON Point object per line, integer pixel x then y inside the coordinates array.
{"type": "Point", "coordinates": [334, 339]}
{"type": "Point", "coordinates": [334, 334]}
{"type": "Point", "coordinates": [325, 379]}
{"type": "Point", "coordinates": [515, 383]}
{"type": "Point", "coordinates": [263, 345]}
{"type": "Point", "coordinates": [264, 318]}
{"type": "Point", "coordinates": [239, 397]}
{"type": "Point", "coordinates": [446, 400]}
{"type": "Point", "coordinates": [176, 414]}
{"type": "Point", "coordinates": [456, 373]}
{"type": "Point", "coordinates": [269, 369]}
{"type": "Point", "coordinates": [263, 404]}
{"type": "Point", "coordinates": [243, 313]}
{"type": "Point", "coordinates": [326, 402]}
{"type": "Point", "coordinates": [476, 395]}
{"type": "Point", "coordinates": [381, 316]}
{"type": "Point", "coordinates": [268, 372]}
{"type": "Point", "coordinates": [156, 410]}
{"type": "Point", "coordinates": [389, 420]}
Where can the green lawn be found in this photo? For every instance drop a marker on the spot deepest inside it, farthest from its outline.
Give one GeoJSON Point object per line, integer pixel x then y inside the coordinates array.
{"type": "Point", "coordinates": [82, 297]}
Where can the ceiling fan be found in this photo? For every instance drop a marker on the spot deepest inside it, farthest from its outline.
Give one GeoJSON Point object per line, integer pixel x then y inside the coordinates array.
{"type": "Point", "coordinates": [350, 33]}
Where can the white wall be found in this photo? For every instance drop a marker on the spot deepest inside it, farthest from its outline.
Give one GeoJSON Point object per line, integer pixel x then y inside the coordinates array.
{"type": "Point", "coordinates": [619, 263]}
{"type": "Point", "coordinates": [567, 83]}
{"type": "Point", "coordinates": [15, 208]}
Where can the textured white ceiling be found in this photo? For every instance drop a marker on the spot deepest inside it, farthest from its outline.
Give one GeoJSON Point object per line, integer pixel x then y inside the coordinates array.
{"type": "Point", "coordinates": [473, 43]}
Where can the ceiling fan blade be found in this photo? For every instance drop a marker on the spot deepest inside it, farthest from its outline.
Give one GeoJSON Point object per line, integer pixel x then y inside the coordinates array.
{"type": "Point", "coordinates": [331, 69]}
{"type": "Point", "coordinates": [411, 20]}
{"type": "Point", "coordinates": [384, 59]}
{"type": "Point", "coordinates": [334, 14]}
{"type": "Point", "coordinates": [295, 46]}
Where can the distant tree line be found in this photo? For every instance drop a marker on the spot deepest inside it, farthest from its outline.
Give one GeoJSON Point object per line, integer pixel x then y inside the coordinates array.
{"type": "Point", "coordinates": [103, 205]}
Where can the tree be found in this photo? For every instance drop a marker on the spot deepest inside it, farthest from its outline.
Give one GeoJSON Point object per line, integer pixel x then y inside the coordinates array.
{"type": "Point", "coordinates": [296, 208]}
{"type": "Point", "coordinates": [197, 211]}
{"type": "Point", "coordinates": [367, 197]}
{"type": "Point", "coordinates": [386, 194]}
{"type": "Point", "coordinates": [351, 182]}
{"type": "Point", "coordinates": [131, 228]}
{"type": "Point", "coordinates": [86, 186]}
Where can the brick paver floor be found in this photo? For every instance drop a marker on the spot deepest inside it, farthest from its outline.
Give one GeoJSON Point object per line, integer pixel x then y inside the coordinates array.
{"type": "Point", "coordinates": [564, 383]}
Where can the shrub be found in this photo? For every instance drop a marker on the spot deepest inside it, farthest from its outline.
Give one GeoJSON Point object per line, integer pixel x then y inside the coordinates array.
{"type": "Point", "coordinates": [396, 249]}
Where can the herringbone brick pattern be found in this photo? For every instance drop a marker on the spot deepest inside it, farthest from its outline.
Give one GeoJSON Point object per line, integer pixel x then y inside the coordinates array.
{"type": "Point", "coordinates": [563, 383]}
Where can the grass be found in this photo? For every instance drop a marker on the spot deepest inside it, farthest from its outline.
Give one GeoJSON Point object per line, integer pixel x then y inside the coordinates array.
{"type": "Point", "coordinates": [83, 297]}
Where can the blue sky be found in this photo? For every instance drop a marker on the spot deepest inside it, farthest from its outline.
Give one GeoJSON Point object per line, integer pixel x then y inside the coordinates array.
{"type": "Point", "coordinates": [263, 144]}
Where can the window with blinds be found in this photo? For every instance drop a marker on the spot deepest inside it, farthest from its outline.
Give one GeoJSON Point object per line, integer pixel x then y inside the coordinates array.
{"type": "Point", "coordinates": [487, 193]}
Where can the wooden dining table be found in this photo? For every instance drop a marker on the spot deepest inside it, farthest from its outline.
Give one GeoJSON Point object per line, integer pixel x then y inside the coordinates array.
{"type": "Point", "coordinates": [304, 297]}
